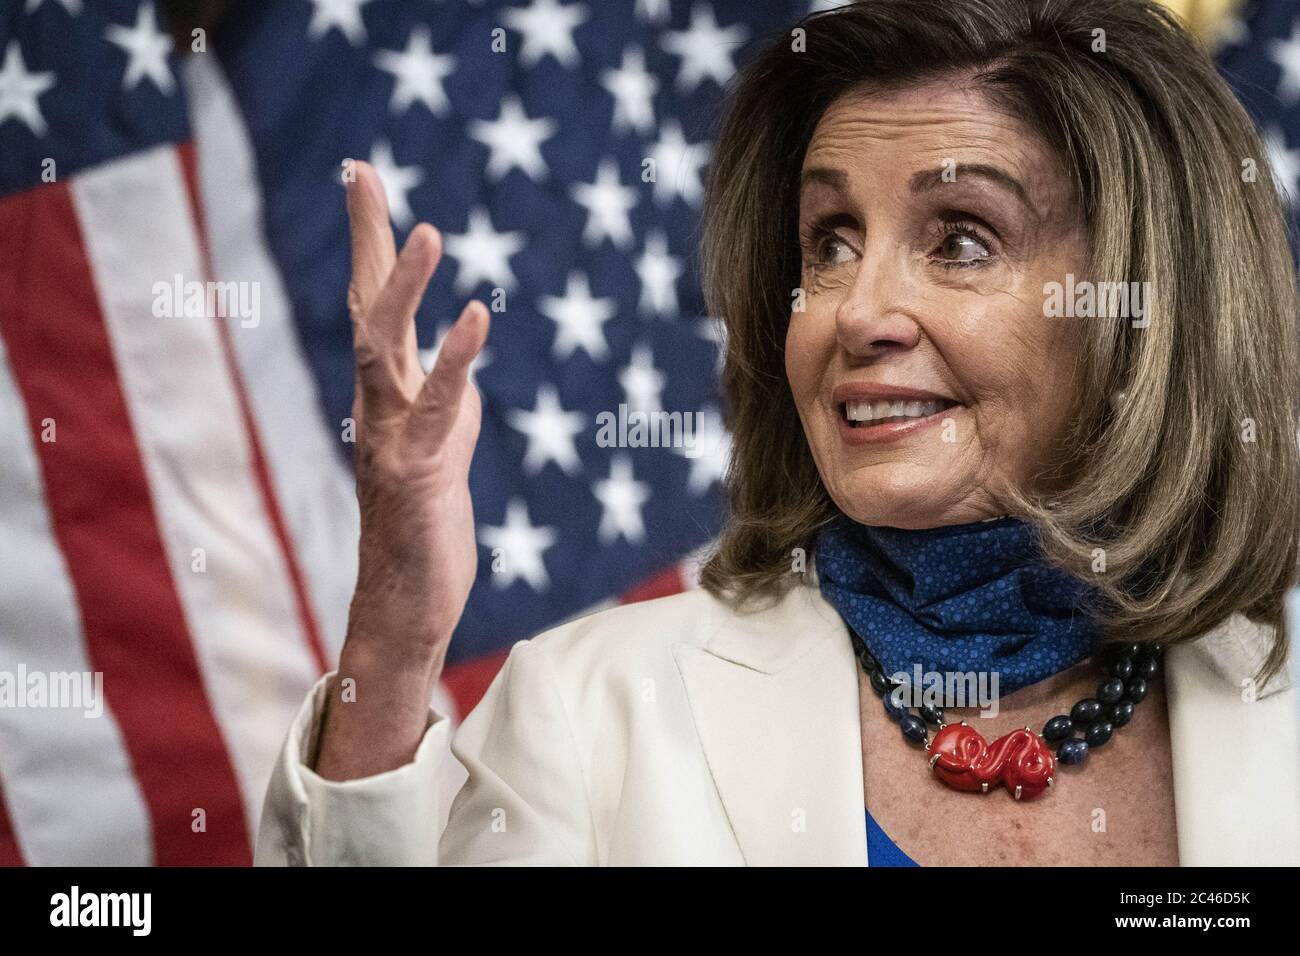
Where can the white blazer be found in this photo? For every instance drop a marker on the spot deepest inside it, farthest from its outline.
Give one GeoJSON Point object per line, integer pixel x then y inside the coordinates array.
{"type": "Point", "coordinates": [680, 732]}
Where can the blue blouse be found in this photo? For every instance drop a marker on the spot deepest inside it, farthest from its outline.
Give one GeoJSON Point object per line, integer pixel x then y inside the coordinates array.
{"type": "Point", "coordinates": [882, 851]}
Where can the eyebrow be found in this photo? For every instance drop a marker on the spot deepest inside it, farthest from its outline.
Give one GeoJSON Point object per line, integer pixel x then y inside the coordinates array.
{"type": "Point", "coordinates": [925, 179]}
{"type": "Point", "coordinates": [835, 178]}
{"type": "Point", "coordinates": [933, 178]}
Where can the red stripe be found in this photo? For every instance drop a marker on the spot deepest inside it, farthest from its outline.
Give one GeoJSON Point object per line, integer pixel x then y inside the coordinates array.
{"type": "Point", "coordinates": [468, 682]}
{"type": "Point", "coordinates": [103, 519]}
{"type": "Point", "coordinates": [261, 469]}
{"type": "Point", "coordinates": [11, 853]}
{"type": "Point", "coordinates": [666, 582]}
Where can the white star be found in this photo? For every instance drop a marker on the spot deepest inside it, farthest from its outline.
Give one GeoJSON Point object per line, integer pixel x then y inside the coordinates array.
{"type": "Point", "coordinates": [709, 451]}
{"type": "Point", "coordinates": [430, 355]}
{"type": "Point", "coordinates": [658, 272]}
{"type": "Point", "coordinates": [550, 431]}
{"type": "Point", "coordinates": [19, 90]}
{"type": "Point", "coordinates": [704, 48]}
{"type": "Point", "coordinates": [579, 318]}
{"type": "Point", "coordinates": [642, 383]}
{"type": "Point", "coordinates": [482, 253]}
{"type": "Point", "coordinates": [653, 11]}
{"type": "Point", "coordinates": [1286, 54]}
{"type": "Point", "coordinates": [1231, 31]}
{"type": "Point", "coordinates": [398, 182]}
{"type": "Point", "coordinates": [678, 165]}
{"type": "Point", "coordinates": [515, 140]}
{"type": "Point", "coordinates": [608, 202]}
{"type": "Point", "coordinates": [344, 14]}
{"type": "Point", "coordinates": [547, 27]}
{"type": "Point", "coordinates": [1285, 163]}
{"type": "Point", "coordinates": [633, 90]}
{"type": "Point", "coordinates": [147, 47]}
{"type": "Point", "coordinates": [72, 6]}
{"type": "Point", "coordinates": [621, 499]}
{"type": "Point", "coordinates": [418, 72]}
{"type": "Point", "coordinates": [521, 547]}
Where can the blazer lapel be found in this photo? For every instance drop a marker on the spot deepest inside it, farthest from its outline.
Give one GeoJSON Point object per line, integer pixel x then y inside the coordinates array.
{"type": "Point", "coordinates": [774, 697]}
{"type": "Point", "coordinates": [1236, 752]}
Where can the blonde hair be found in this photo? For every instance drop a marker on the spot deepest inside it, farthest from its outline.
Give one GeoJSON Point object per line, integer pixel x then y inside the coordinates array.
{"type": "Point", "coordinates": [1189, 485]}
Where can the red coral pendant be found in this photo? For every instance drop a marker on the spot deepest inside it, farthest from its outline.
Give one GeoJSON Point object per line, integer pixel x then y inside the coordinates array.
{"type": "Point", "coordinates": [1021, 761]}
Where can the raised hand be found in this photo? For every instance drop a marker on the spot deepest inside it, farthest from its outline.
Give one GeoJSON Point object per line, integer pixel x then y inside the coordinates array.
{"type": "Point", "coordinates": [415, 436]}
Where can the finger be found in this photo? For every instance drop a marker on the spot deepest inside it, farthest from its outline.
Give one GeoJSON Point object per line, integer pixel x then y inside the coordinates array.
{"type": "Point", "coordinates": [373, 249]}
{"type": "Point", "coordinates": [439, 398]}
{"type": "Point", "coordinates": [388, 364]}
{"type": "Point", "coordinates": [393, 316]}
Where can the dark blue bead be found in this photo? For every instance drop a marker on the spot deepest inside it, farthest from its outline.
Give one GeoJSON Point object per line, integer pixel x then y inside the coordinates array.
{"type": "Point", "coordinates": [1110, 691]}
{"type": "Point", "coordinates": [1086, 711]}
{"type": "Point", "coordinates": [913, 728]}
{"type": "Point", "coordinates": [879, 682]}
{"type": "Point", "coordinates": [1135, 690]}
{"type": "Point", "coordinates": [1145, 668]}
{"type": "Point", "coordinates": [931, 715]}
{"type": "Point", "coordinates": [1121, 650]}
{"type": "Point", "coordinates": [1121, 713]}
{"type": "Point", "coordinates": [1072, 752]}
{"type": "Point", "coordinates": [896, 711]}
{"type": "Point", "coordinates": [1122, 668]}
{"type": "Point", "coordinates": [1099, 733]}
{"type": "Point", "coordinates": [1058, 728]}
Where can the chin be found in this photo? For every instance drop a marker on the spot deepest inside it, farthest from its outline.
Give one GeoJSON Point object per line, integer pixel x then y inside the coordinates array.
{"type": "Point", "coordinates": [902, 496]}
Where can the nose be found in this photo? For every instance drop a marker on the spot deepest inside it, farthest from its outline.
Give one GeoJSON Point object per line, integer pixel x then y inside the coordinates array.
{"type": "Point", "coordinates": [877, 312]}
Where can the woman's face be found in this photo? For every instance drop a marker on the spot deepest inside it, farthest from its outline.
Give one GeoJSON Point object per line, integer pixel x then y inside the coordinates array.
{"type": "Point", "coordinates": [923, 368]}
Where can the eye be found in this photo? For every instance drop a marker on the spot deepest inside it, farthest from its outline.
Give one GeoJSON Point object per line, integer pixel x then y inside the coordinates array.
{"type": "Point", "coordinates": [832, 250]}
{"type": "Point", "coordinates": [824, 247]}
{"type": "Point", "coordinates": [962, 245]}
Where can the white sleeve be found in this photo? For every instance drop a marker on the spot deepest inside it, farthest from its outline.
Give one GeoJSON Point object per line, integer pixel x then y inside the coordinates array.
{"type": "Point", "coordinates": [524, 801]}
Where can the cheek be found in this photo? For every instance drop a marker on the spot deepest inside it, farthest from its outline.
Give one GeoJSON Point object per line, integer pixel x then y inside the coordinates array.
{"type": "Point", "coordinates": [808, 341]}
{"type": "Point", "coordinates": [1020, 369]}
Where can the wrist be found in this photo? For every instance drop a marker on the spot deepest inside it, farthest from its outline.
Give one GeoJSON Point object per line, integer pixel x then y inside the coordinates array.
{"type": "Point", "coordinates": [376, 713]}
{"type": "Point", "coordinates": [375, 657]}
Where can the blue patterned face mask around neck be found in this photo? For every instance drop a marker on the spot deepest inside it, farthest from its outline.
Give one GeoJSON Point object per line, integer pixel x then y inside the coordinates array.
{"type": "Point", "coordinates": [971, 598]}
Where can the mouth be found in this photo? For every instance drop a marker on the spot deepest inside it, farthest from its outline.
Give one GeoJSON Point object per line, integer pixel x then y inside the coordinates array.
{"type": "Point", "coordinates": [874, 413]}
{"type": "Point", "coordinates": [866, 414]}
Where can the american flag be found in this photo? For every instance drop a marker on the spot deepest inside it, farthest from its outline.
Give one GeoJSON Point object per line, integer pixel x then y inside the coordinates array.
{"type": "Point", "coordinates": [1260, 57]}
{"type": "Point", "coordinates": [176, 508]}
{"type": "Point", "coordinates": [175, 492]}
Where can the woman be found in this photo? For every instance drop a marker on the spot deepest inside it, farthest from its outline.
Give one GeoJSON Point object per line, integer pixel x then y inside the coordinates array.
{"type": "Point", "coordinates": [1012, 359]}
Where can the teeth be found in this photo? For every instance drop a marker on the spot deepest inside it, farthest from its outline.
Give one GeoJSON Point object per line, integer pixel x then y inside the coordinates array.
{"type": "Point", "coordinates": [873, 411]}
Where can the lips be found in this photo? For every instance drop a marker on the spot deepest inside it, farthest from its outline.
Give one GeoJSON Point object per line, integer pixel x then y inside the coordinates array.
{"type": "Point", "coordinates": [881, 412]}
{"type": "Point", "coordinates": [866, 405]}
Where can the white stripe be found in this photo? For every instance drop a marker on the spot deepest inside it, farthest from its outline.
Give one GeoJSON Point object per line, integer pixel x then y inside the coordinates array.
{"type": "Point", "coordinates": [312, 483]}
{"type": "Point", "coordinates": [72, 798]}
{"type": "Point", "coordinates": [315, 489]}
{"type": "Point", "coordinates": [248, 639]}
